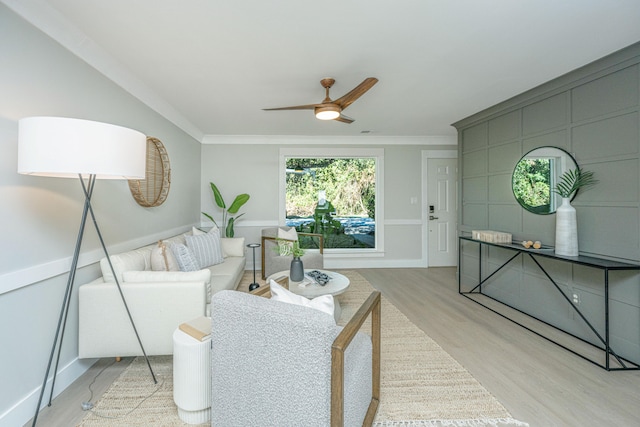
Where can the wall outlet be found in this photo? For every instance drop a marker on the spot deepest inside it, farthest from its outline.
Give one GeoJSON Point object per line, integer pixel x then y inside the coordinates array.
{"type": "Point", "coordinates": [576, 298]}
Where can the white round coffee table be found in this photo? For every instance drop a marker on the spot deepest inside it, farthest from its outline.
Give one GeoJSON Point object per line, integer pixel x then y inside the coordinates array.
{"type": "Point", "coordinates": [336, 285]}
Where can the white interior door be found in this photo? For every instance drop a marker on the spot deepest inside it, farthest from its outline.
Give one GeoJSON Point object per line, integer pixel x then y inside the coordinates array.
{"type": "Point", "coordinates": [442, 176]}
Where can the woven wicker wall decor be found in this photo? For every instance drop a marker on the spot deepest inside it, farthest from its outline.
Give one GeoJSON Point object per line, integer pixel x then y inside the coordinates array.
{"type": "Point", "coordinates": [154, 189]}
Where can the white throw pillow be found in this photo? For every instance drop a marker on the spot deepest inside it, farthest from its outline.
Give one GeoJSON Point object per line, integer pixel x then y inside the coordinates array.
{"type": "Point", "coordinates": [286, 248]}
{"type": "Point", "coordinates": [206, 248]}
{"type": "Point", "coordinates": [185, 258]}
{"type": "Point", "coordinates": [162, 258]}
{"type": "Point", "coordinates": [131, 260]}
{"type": "Point", "coordinates": [323, 303]}
{"type": "Point", "coordinates": [232, 246]}
{"type": "Point", "coordinates": [197, 232]}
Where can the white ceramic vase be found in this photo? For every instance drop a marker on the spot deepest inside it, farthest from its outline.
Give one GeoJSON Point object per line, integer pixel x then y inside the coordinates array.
{"type": "Point", "coordinates": [566, 229]}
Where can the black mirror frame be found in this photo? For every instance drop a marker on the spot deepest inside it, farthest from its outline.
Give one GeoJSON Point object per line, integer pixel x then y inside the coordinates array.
{"type": "Point", "coordinates": [530, 208]}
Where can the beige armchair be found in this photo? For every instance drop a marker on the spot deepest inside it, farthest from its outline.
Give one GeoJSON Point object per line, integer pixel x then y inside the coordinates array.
{"type": "Point", "coordinates": [272, 262]}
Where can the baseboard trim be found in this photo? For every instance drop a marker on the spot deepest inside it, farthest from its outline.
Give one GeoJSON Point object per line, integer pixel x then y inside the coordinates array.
{"type": "Point", "coordinates": [23, 411]}
{"type": "Point", "coordinates": [337, 263]}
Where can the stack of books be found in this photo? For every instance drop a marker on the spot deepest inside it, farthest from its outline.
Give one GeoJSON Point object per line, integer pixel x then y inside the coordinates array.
{"type": "Point", "coordinates": [199, 328]}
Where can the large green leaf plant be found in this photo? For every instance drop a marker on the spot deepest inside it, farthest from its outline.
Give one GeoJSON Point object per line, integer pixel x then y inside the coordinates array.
{"type": "Point", "coordinates": [572, 180]}
{"type": "Point", "coordinates": [227, 220]}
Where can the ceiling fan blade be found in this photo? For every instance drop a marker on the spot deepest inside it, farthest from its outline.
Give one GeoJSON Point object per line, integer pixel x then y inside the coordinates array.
{"type": "Point", "coordinates": [356, 93]}
{"type": "Point", "coordinates": [344, 119]}
{"type": "Point", "coordinates": [295, 107]}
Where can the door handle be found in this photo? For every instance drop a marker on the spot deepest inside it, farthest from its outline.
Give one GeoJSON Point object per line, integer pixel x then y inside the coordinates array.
{"type": "Point", "coordinates": [431, 217]}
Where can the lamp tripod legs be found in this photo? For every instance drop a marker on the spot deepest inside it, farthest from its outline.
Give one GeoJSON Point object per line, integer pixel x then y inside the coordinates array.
{"type": "Point", "coordinates": [124, 301]}
{"type": "Point", "coordinates": [62, 321]}
{"type": "Point", "coordinates": [57, 340]}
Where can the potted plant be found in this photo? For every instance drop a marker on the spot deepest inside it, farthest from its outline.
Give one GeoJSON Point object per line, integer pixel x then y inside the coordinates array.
{"type": "Point", "coordinates": [296, 250]}
{"type": "Point", "coordinates": [227, 221]}
{"type": "Point", "coordinates": [292, 247]}
{"type": "Point", "coordinates": [289, 247]}
{"type": "Point", "coordinates": [566, 220]}
{"type": "Point", "coordinates": [296, 271]}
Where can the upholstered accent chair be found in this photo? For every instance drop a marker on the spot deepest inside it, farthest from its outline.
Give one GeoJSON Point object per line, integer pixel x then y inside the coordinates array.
{"type": "Point", "coordinates": [280, 364]}
{"type": "Point", "coordinates": [273, 261]}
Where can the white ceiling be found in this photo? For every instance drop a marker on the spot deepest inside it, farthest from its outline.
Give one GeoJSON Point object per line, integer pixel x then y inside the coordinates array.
{"type": "Point", "coordinates": [211, 66]}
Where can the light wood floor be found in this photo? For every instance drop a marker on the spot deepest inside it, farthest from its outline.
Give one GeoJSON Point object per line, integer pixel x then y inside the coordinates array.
{"type": "Point", "coordinates": [537, 381]}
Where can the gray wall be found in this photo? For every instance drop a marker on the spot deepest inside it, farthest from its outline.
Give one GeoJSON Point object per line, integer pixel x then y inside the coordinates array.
{"type": "Point", "coordinates": [40, 216]}
{"type": "Point", "coordinates": [594, 114]}
{"type": "Point", "coordinates": [253, 169]}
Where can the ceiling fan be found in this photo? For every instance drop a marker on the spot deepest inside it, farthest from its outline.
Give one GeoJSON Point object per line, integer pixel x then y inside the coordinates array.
{"type": "Point", "coordinates": [332, 110]}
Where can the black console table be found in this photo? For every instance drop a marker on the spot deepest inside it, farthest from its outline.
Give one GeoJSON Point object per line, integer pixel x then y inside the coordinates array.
{"type": "Point", "coordinates": [599, 263]}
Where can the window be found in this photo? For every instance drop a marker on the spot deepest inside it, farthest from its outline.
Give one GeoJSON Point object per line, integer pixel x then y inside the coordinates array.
{"type": "Point", "coordinates": [335, 193]}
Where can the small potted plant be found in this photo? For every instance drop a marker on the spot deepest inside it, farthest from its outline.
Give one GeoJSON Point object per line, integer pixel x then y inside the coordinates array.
{"type": "Point", "coordinates": [296, 272]}
{"type": "Point", "coordinates": [296, 250]}
{"type": "Point", "coordinates": [292, 247]}
{"type": "Point", "coordinates": [287, 247]}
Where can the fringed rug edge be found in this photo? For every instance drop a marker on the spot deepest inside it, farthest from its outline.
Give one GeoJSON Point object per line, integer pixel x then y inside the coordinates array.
{"type": "Point", "coordinates": [491, 422]}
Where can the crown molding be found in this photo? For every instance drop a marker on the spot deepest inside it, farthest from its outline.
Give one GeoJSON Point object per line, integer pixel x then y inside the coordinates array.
{"type": "Point", "coordinates": [328, 140]}
{"type": "Point", "coordinates": [51, 22]}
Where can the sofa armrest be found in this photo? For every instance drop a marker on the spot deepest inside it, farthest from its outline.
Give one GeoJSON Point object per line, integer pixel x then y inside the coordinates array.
{"type": "Point", "coordinates": [157, 309]}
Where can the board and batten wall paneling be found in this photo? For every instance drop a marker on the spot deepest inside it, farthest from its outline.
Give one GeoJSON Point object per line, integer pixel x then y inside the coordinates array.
{"type": "Point", "coordinates": [594, 114]}
{"type": "Point", "coordinates": [606, 95]}
{"type": "Point", "coordinates": [545, 115]}
{"type": "Point", "coordinates": [504, 128]}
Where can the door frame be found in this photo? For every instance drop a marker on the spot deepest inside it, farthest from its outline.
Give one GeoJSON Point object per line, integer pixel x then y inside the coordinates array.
{"type": "Point", "coordinates": [426, 155]}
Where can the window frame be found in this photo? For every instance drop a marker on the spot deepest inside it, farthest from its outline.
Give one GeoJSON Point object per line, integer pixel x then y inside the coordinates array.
{"type": "Point", "coordinates": [335, 153]}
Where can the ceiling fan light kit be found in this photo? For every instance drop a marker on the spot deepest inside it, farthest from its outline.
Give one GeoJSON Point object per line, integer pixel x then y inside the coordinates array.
{"type": "Point", "coordinates": [328, 112]}
{"type": "Point", "coordinates": [332, 110]}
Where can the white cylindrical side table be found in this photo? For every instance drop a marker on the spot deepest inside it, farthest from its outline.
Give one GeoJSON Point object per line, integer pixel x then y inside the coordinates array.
{"type": "Point", "coordinates": [192, 377]}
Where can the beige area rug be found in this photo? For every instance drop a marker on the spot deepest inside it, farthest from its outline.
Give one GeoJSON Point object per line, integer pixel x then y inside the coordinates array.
{"type": "Point", "coordinates": [421, 384]}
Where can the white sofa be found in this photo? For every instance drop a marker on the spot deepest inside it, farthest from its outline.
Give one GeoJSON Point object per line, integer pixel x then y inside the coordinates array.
{"type": "Point", "coordinates": [159, 301]}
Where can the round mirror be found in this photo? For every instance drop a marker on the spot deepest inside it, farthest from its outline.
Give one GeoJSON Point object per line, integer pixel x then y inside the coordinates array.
{"type": "Point", "coordinates": [536, 174]}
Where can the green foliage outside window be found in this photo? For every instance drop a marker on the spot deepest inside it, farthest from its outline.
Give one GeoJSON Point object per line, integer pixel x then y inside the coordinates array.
{"type": "Point", "coordinates": [531, 183]}
{"type": "Point", "coordinates": [348, 185]}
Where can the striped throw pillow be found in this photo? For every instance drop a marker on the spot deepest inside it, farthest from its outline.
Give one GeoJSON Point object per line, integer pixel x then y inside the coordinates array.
{"type": "Point", "coordinates": [206, 248]}
{"type": "Point", "coordinates": [184, 257]}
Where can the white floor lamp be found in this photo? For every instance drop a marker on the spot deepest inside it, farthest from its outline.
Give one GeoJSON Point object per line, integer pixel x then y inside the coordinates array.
{"type": "Point", "coordinates": [74, 148]}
